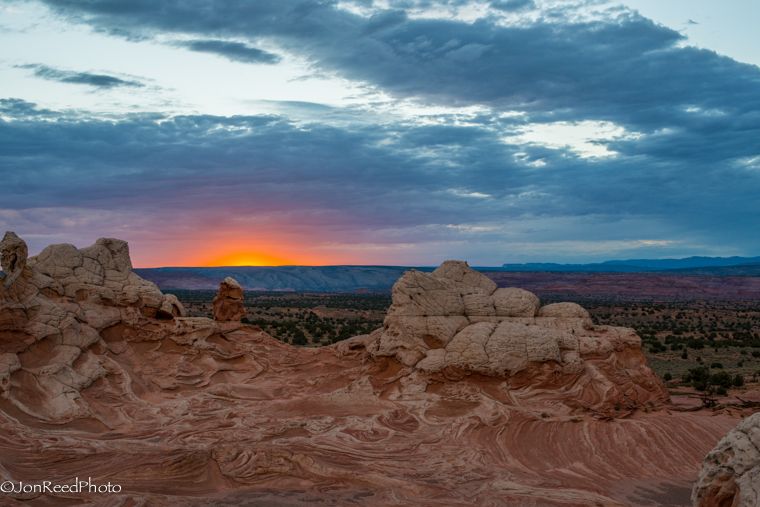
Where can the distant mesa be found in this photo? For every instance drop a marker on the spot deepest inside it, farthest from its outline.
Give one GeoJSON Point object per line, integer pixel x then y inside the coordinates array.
{"type": "Point", "coordinates": [278, 278]}
{"type": "Point", "coordinates": [724, 283]}
{"type": "Point", "coordinates": [687, 265]}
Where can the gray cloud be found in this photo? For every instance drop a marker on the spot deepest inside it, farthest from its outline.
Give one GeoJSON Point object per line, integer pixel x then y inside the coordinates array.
{"type": "Point", "coordinates": [102, 81]}
{"type": "Point", "coordinates": [234, 51]}
{"type": "Point", "coordinates": [512, 5]}
{"type": "Point", "coordinates": [625, 68]}
{"type": "Point", "coordinates": [450, 186]}
{"type": "Point", "coordinates": [686, 175]}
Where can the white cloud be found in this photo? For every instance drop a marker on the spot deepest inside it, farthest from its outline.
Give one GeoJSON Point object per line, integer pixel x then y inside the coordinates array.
{"type": "Point", "coordinates": [467, 193]}
{"type": "Point", "coordinates": [587, 139]}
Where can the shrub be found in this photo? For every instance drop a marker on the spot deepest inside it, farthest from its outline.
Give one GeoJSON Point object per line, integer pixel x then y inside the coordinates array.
{"type": "Point", "coordinates": [695, 344]}
{"type": "Point", "coordinates": [717, 366]}
{"type": "Point", "coordinates": [738, 380]}
{"type": "Point", "coordinates": [299, 338]}
{"type": "Point", "coordinates": [722, 379]}
{"type": "Point", "coordinates": [698, 378]}
{"type": "Point", "coordinates": [667, 377]}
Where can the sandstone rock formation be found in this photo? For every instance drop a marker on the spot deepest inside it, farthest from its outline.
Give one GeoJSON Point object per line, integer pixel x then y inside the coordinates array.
{"type": "Point", "coordinates": [457, 319]}
{"type": "Point", "coordinates": [102, 376]}
{"type": "Point", "coordinates": [228, 302]}
{"type": "Point", "coordinates": [730, 475]}
{"type": "Point", "coordinates": [63, 312]}
{"type": "Point", "coordinates": [13, 254]}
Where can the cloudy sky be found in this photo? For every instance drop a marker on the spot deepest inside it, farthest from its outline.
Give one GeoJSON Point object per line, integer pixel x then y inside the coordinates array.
{"type": "Point", "coordinates": [382, 132]}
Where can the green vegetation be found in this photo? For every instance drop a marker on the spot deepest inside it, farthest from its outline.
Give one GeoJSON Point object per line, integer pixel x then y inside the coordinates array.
{"type": "Point", "coordinates": [305, 319]}
{"type": "Point", "coordinates": [711, 345]}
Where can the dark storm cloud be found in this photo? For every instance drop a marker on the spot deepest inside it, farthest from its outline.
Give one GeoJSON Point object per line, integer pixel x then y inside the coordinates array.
{"type": "Point", "coordinates": [234, 51]}
{"type": "Point", "coordinates": [692, 169]}
{"type": "Point", "coordinates": [363, 180]}
{"type": "Point", "coordinates": [512, 5]}
{"type": "Point", "coordinates": [437, 59]}
{"type": "Point", "coordinates": [623, 68]}
{"type": "Point", "coordinates": [102, 81]}
{"type": "Point", "coordinates": [248, 162]}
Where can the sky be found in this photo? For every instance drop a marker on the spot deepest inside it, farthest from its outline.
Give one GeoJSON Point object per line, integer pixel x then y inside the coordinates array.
{"type": "Point", "coordinates": [401, 132]}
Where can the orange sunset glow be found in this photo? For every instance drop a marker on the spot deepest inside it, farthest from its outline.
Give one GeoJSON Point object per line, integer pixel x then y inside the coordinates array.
{"type": "Point", "coordinates": [248, 258]}
{"type": "Point", "coordinates": [269, 250]}
{"type": "Point", "coordinates": [236, 254]}
{"type": "Point", "coordinates": [229, 251]}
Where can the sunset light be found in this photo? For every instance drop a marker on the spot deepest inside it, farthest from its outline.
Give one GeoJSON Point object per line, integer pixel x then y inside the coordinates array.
{"type": "Point", "coordinates": [248, 258]}
{"type": "Point", "coordinates": [380, 252]}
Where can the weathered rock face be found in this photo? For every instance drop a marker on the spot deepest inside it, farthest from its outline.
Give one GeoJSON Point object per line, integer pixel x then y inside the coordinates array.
{"type": "Point", "coordinates": [65, 312]}
{"type": "Point", "coordinates": [13, 254]}
{"type": "Point", "coordinates": [456, 319]}
{"type": "Point", "coordinates": [730, 475]}
{"type": "Point", "coordinates": [228, 302]}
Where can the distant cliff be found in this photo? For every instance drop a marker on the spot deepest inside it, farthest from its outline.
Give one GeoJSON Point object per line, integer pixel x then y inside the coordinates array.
{"type": "Point", "coordinates": [280, 278]}
{"type": "Point", "coordinates": [696, 265]}
{"type": "Point", "coordinates": [718, 283]}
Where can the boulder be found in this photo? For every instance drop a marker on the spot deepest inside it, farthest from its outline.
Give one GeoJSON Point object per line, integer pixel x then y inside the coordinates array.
{"type": "Point", "coordinates": [55, 309]}
{"type": "Point", "coordinates": [730, 475]}
{"type": "Point", "coordinates": [514, 302]}
{"type": "Point", "coordinates": [456, 318]}
{"type": "Point", "coordinates": [13, 254]}
{"type": "Point", "coordinates": [228, 302]}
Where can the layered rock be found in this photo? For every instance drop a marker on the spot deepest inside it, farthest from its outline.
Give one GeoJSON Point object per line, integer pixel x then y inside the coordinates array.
{"type": "Point", "coordinates": [228, 302]}
{"type": "Point", "coordinates": [67, 313]}
{"type": "Point", "coordinates": [730, 475]}
{"type": "Point", "coordinates": [456, 319]}
{"type": "Point", "coordinates": [103, 377]}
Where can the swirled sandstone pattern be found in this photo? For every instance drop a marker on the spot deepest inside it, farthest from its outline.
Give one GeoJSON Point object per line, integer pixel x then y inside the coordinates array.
{"type": "Point", "coordinates": [102, 376]}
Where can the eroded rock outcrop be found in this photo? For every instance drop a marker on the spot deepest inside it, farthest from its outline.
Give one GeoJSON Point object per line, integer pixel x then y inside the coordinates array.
{"type": "Point", "coordinates": [66, 313]}
{"type": "Point", "coordinates": [730, 475]}
{"type": "Point", "coordinates": [102, 376]}
{"type": "Point", "coordinates": [13, 254]}
{"type": "Point", "coordinates": [456, 319]}
{"type": "Point", "coordinates": [228, 302]}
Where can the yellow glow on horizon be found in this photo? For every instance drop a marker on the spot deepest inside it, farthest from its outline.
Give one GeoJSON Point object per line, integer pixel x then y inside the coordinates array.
{"type": "Point", "coordinates": [234, 250]}
{"type": "Point", "coordinates": [248, 259]}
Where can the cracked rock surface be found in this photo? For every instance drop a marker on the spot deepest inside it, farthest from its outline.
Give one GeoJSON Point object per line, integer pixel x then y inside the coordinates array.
{"type": "Point", "coordinates": [455, 318]}
{"type": "Point", "coordinates": [730, 475]}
